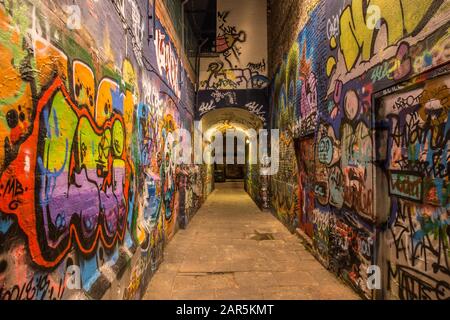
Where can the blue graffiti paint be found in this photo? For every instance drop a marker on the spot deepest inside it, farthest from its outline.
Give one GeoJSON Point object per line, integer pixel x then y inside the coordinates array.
{"type": "Point", "coordinates": [89, 272]}
{"type": "Point", "coordinates": [117, 99]}
{"type": "Point", "coordinates": [5, 224]}
{"type": "Point", "coordinates": [49, 184]}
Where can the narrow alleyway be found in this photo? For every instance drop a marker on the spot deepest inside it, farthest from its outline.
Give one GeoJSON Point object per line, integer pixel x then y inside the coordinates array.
{"type": "Point", "coordinates": [232, 250]}
{"type": "Point", "coordinates": [118, 118]}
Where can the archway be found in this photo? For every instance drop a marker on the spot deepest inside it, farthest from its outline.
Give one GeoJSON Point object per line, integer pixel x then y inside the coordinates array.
{"type": "Point", "coordinates": [244, 122]}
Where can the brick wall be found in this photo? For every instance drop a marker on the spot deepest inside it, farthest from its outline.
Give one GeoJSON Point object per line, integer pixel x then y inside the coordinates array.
{"type": "Point", "coordinates": [285, 19]}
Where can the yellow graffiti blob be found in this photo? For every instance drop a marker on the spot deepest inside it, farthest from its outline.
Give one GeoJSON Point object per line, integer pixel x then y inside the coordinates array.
{"type": "Point", "coordinates": [56, 143]}
{"type": "Point", "coordinates": [100, 102]}
{"type": "Point", "coordinates": [333, 43]}
{"type": "Point", "coordinates": [105, 100]}
{"type": "Point", "coordinates": [129, 76]}
{"type": "Point", "coordinates": [331, 64]}
{"type": "Point", "coordinates": [358, 25]}
{"type": "Point", "coordinates": [84, 86]}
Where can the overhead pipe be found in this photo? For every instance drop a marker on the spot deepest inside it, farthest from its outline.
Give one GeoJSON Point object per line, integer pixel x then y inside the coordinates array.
{"type": "Point", "coordinates": [183, 36]}
{"type": "Point", "coordinates": [153, 18]}
{"type": "Point", "coordinates": [197, 71]}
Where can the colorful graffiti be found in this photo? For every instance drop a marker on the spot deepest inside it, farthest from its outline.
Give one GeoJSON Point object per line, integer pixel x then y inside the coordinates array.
{"type": "Point", "coordinates": [78, 157]}
{"type": "Point", "coordinates": [374, 164]}
{"type": "Point", "coordinates": [417, 239]}
{"type": "Point", "coordinates": [284, 185]}
{"type": "Point", "coordinates": [88, 179]}
{"type": "Point", "coordinates": [167, 60]}
{"type": "Point", "coordinates": [360, 21]}
{"type": "Point", "coordinates": [221, 77]}
{"type": "Point", "coordinates": [305, 160]}
{"type": "Point", "coordinates": [253, 184]}
{"type": "Point", "coordinates": [154, 159]}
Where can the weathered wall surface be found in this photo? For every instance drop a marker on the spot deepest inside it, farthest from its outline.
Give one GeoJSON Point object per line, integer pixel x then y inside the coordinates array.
{"type": "Point", "coordinates": [361, 100]}
{"type": "Point", "coordinates": [253, 183]}
{"type": "Point", "coordinates": [88, 181]}
{"type": "Point", "coordinates": [285, 18]}
{"type": "Point", "coordinates": [241, 45]}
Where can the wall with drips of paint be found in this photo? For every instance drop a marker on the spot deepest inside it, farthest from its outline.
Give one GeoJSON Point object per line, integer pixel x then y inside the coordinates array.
{"type": "Point", "coordinates": [362, 102]}
{"type": "Point", "coordinates": [89, 105]}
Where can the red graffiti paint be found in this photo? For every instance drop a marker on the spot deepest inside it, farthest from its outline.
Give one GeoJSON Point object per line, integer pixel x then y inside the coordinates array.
{"type": "Point", "coordinates": [21, 199]}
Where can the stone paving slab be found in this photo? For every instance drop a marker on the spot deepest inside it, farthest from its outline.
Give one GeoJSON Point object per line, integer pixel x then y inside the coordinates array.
{"type": "Point", "coordinates": [233, 251]}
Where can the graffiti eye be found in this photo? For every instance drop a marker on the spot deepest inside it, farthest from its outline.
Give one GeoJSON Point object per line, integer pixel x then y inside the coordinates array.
{"type": "Point", "coordinates": [12, 118]}
{"type": "Point", "coordinates": [22, 117]}
{"type": "Point", "coordinates": [107, 107]}
{"type": "Point", "coordinates": [78, 89]}
{"type": "Point", "coordinates": [88, 223]}
{"type": "Point", "coordinates": [3, 266]}
{"type": "Point", "coordinates": [60, 222]}
{"type": "Point", "coordinates": [83, 149]}
{"type": "Point", "coordinates": [117, 146]}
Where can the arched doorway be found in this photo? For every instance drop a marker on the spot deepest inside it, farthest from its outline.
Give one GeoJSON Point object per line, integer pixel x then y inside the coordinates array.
{"type": "Point", "coordinates": [248, 124]}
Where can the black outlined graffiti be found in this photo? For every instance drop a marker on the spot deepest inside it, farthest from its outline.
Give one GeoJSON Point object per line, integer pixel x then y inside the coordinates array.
{"type": "Point", "coordinates": [221, 77]}
{"type": "Point", "coordinates": [228, 39]}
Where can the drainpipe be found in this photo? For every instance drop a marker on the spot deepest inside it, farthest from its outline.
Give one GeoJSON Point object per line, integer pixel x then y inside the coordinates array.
{"type": "Point", "coordinates": [197, 72]}
{"type": "Point", "coordinates": [152, 16]}
{"type": "Point", "coordinates": [183, 37]}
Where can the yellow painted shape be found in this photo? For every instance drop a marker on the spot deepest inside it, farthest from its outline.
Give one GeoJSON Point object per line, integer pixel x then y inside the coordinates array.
{"type": "Point", "coordinates": [62, 122]}
{"type": "Point", "coordinates": [84, 77]}
{"type": "Point", "coordinates": [331, 64]}
{"type": "Point", "coordinates": [104, 105]}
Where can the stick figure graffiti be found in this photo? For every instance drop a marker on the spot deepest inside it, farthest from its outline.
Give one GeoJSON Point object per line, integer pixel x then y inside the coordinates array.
{"type": "Point", "coordinates": [228, 39]}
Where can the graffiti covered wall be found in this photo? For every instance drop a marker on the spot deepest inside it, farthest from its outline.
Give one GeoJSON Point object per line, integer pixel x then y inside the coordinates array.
{"type": "Point", "coordinates": [415, 246]}
{"type": "Point", "coordinates": [88, 181]}
{"type": "Point", "coordinates": [364, 123]}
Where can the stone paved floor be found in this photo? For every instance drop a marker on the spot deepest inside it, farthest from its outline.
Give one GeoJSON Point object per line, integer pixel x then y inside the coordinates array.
{"type": "Point", "coordinates": [232, 250]}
